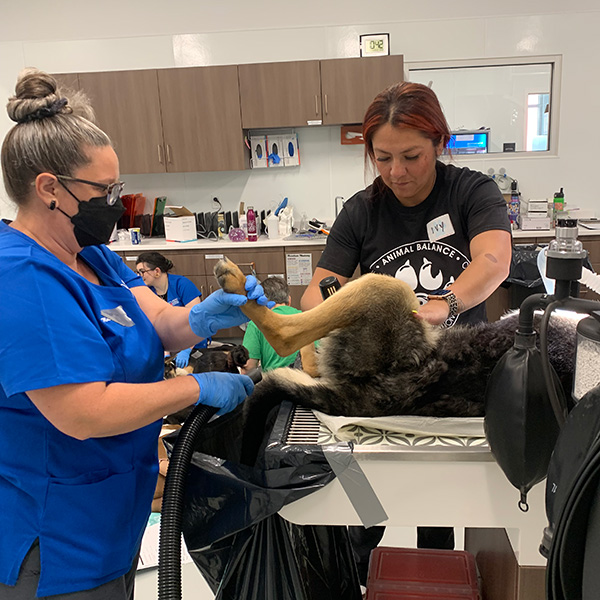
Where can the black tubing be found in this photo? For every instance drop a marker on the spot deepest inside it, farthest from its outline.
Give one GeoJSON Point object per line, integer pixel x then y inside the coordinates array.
{"type": "Point", "coordinates": [559, 409]}
{"type": "Point", "coordinates": [169, 547]}
{"type": "Point", "coordinates": [169, 543]}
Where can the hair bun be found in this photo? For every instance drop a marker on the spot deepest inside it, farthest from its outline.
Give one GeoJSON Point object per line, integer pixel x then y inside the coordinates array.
{"type": "Point", "coordinates": [36, 97]}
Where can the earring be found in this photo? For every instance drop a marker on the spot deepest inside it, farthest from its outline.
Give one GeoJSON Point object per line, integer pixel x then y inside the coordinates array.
{"type": "Point", "coordinates": [52, 205]}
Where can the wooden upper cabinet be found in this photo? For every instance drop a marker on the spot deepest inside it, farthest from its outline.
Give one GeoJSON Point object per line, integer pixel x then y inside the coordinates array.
{"type": "Point", "coordinates": [202, 126]}
{"type": "Point", "coordinates": [349, 85]}
{"type": "Point", "coordinates": [283, 94]}
{"type": "Point", "coordinates": [127, 108]}
{"type": "Point", "coordinates": [68, 82]}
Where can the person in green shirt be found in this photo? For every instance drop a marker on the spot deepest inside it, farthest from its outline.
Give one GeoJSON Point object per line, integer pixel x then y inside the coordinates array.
{"type": "Point", "coordinates": [254, 341]}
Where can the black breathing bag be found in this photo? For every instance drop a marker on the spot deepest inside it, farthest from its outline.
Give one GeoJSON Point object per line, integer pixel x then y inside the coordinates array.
{"type": "Point", "coordinates": [520, 424]}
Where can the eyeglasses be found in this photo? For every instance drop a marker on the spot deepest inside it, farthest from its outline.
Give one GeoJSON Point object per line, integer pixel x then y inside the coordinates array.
{"type": "Point", "coordinates": [113, 190]}
{"type": "Point", "coordinates": [141, 272]}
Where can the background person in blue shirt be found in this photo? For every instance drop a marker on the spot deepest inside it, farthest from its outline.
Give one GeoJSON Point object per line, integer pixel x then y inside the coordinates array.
{"type": "Point", "coordinates": [177, 290]}
{"type": "Point", "coordinates": [82, 394]}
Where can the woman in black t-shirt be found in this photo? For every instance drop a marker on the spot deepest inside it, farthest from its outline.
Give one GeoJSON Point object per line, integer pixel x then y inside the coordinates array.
{"type": "Point", "coordinates": [441, 229]}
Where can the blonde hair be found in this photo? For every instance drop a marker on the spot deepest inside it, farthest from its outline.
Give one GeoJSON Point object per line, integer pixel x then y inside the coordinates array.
{"type": "Point", "coordinates": [51, 133]}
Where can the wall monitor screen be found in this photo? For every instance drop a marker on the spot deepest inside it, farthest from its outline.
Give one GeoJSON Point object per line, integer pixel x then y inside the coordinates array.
{"type": "Point", "coordinates": [469, 142]}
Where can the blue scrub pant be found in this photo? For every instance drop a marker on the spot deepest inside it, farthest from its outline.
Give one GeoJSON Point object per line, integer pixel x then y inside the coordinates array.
{"type": "Point", "coordinates": [26, 587]}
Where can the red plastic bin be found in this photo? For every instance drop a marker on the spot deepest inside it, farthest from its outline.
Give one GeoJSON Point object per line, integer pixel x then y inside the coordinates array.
{"type": "Point", "coordinates": [421, 574]}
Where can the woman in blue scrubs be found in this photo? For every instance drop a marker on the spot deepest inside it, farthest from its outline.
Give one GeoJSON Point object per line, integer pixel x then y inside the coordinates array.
{"type": "Point", "coordinates": [177, 290]}
{"type": "Point", "coordinates": [82, 394]}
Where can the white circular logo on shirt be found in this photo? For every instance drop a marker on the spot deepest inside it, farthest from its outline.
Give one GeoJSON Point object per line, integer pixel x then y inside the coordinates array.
{"type": "Point", "coordinates": [424, 265]}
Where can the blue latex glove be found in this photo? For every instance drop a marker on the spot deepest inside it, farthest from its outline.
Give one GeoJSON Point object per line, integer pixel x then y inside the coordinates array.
{"type": "Point", "coordinates": [221, 310]}
{"type": "Point", "coordinates": [183, 358]}
{"type": "Point", "coordinates": [223, 390]}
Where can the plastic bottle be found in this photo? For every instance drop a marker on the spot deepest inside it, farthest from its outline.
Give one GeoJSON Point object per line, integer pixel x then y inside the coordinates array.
{"type": "Point", "coordinates": [514, 206]}
{"type": "Point", "coordinates": [251, 224]}
{"type": "Point", "coordinates": [273, 226]}
{"type": "Point", "coordinates": [221, 224]}
{"type": "Point", "coordinates": [558, 206]}
{"type": "Point", "coordinates": [243, 221]}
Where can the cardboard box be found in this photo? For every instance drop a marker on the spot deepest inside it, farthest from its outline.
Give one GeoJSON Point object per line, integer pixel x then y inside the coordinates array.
{"type": "Point", "coordinates": [258, 144]}
{"type": "Point", "coordinates": [181, 227]}
{"type": "Point", "coordinates": [527, 223]}
{"type": "Point", "coordinates": [291, 152]}
{"type": "Point", "coordinates": [275, 149]}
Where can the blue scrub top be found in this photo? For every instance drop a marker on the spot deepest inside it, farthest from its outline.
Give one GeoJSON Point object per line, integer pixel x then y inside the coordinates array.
{"type": "Point", "coordinates": [87, 501]}
{"type": "Point", "coordinates": [180, 290]}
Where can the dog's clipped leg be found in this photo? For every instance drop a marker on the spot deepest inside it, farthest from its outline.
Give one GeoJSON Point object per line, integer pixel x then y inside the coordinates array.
{"type": "Point", "coordinates": [309, 360]}
{"type": "Point", "coordinates": [355, 301]}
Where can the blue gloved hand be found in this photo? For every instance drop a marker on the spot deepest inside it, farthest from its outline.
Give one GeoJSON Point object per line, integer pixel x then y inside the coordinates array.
{"type": "Point", "coordinates": [183, 358]}
{"type": "Point", "coordinates": [221, 310]}
{"type": "Point", "coordinates": [223, 390]}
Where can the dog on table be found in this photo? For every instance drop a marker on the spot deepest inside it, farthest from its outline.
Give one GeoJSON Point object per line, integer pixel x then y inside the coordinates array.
{"type": "Point", "coordinates": [378, 358]}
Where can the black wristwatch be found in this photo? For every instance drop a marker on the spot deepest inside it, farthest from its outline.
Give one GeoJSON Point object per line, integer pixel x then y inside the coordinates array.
{"type": "Point", "coordinates": [449, 297]}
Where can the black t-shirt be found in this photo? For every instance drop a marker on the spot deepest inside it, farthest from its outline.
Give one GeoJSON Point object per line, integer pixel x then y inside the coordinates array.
{"type": "Point", "coordinates": [427, 246]}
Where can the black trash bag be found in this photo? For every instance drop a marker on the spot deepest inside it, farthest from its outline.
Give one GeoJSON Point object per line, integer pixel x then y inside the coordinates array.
{"type": "Point", "coordinates": [234, 489]}
{"type": "Point", "coordinates": [523, 266]}
{"type": "Point", "coordinates": [571, 540]}
{"type": "Point", "coordinates": [277, 560]}
{"type": "Point", "coordinates": [519, 423]}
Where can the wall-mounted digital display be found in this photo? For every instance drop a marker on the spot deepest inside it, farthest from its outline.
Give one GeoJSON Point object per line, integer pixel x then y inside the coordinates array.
{"type": "Point", "coordinates": [469, 142]}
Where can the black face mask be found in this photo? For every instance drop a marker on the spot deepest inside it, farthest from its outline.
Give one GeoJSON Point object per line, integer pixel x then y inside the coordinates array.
{"type": "Point", "coordinates": [94, 221]}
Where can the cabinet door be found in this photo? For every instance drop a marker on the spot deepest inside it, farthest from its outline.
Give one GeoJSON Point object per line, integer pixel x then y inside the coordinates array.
{"type": "Point", "coordinates": [349, 85]}
{"type": "Point", "coordinates": [202, 126]}
{"type": "Point", "coordinates": [67, 81]}
{"type": "Point", "coordinates": [265, 262]}
{"type": "Point", "coordinates": [128, 110]}
{"type": "Point", "coordinates": [185, 262]}
{"type": "Point", "coordinates": [296, 291]}
{"type": "Point", "coordinates": [284, 94]}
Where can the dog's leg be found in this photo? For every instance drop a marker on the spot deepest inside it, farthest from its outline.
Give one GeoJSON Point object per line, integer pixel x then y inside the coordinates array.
{"type": "Point", "coordinates": [309, 360]}
{"type": "Point", "coordinates": [354, 301]}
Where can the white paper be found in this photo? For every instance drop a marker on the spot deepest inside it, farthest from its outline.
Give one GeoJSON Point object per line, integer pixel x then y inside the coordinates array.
{"type": "Point", "coordinates": [149, 549]}
{"type": "Point", "coordinates": [298, 268]}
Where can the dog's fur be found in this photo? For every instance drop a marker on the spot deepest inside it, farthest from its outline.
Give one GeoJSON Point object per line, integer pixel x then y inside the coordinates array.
{"type": "Point", "coordinates": [226, 358]}
{"type": "Point", "coordinates": [377, 358]}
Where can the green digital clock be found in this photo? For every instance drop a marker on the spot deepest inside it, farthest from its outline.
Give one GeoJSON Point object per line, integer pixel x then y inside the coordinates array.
{"type": "Point", "coordinates": [375, 44]}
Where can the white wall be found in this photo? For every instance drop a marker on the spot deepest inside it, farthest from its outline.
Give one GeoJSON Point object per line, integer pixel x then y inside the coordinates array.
{"type": "Point", "coordinates": [76, 36]}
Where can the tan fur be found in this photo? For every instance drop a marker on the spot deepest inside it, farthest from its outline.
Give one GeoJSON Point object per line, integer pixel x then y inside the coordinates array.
{"type": "Point", "coordinates": [288, 333]}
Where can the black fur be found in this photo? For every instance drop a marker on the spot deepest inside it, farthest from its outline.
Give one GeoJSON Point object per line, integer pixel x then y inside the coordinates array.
{"type": "Point", "coordinates": [386, 367]}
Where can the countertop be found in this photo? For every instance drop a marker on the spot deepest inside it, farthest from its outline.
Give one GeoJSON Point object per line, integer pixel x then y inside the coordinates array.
{"type": "Point", "coordinates": [222, 244]}
{"type": "Point", "coordinates": [264, 242]}
{"type": "Point", "coordinates": [551, 233]}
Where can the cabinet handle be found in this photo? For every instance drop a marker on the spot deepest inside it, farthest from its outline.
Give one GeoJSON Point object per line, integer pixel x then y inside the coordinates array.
{"type": "Point", "coordinates": [252, 266]}
{"type": "Point", "coordinates": [202, 296]}
{"type": "Point", "coordinates": [316, 104]}
{"type": "Point", "coordinates": [168, 154]}
{"type": "Point", "coordinates": [210, 289]}
{"type": "Point", "coordinates": [160, 154]}
{"type": "Point", "coordinates": [326, 111]}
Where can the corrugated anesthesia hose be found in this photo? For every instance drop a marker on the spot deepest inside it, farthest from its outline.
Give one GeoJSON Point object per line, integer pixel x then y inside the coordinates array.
{"type": "Point", "coordinates": [169, 548]}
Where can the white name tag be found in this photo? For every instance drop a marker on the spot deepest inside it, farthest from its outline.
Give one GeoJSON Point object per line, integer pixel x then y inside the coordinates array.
{"type": "Point", "coordinates": [440, 228]}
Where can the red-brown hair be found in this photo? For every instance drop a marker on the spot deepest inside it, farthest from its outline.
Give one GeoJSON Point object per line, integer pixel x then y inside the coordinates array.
{"type": "Point", "coordinates": [406, 104]}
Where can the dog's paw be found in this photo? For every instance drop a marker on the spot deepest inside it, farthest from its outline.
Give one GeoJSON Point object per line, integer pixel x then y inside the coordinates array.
{"type": "Point", "coordinates": [230, 278]}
